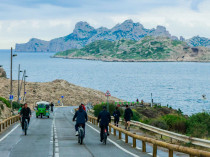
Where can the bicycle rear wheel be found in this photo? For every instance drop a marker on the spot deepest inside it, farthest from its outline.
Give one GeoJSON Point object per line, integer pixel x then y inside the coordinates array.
{"type": "Point", "coordinates": [25, 127]}
{"type": "Point", "coordinates": [105, 138]}
{"type": "Point", "coordinates": [81, 134]}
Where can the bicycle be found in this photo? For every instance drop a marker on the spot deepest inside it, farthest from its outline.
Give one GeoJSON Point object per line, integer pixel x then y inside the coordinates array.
{"type": "Point", "coordinates": [80, 134]}
{"type": "Point", "coordinates": [105, 134]}
{"type": "Point", "coordinates": [25, 126]}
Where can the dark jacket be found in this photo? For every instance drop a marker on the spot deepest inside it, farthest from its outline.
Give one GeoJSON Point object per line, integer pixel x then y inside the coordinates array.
{"type": "Point", "coordinates": [105, 118]}
{"type": "Point", "coordinates": [128, 113]}
{"type": "Point", "coordinates": [25, 112]}
{"type": "Point", "coordinates": [81, 116]}
{"type": "Point", "coordinates": [116, 114]}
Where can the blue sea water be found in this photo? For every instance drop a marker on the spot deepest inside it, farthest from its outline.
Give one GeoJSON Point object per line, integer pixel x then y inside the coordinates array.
{"type": "Point", "coordinates": [179, 84]}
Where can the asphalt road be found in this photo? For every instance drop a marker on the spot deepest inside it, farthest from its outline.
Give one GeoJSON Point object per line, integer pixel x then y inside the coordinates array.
{"type": "Point", "coordinates": [56, 136]}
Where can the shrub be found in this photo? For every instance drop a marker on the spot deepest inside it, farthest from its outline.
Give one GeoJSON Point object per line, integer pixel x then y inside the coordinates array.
{"type": "Point", "coordinates": [5, 101]}
{"type": "Point", "coordinates": [99, 107]}
{"type": "Point", "coordinates": [199, 125]}
{"type": "Point", "coordinates": [176, 122]}
{"type": "Point", "coordinates": [136, 115]}
{"type": "Point", "coordinates": [2, 107]}
{"type": "Point", "coordinates": [15, 105]}
{"type": "Point", "coordinates": [160, 123]}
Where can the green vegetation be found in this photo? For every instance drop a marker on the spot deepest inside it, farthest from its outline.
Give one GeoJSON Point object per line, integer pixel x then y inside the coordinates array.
{"type": "Point", "coordinates": [149, 47]}
{"type": "Point", "coordinates": [15, 105]}
{"type": "Point", "coordinates": [196, 125]}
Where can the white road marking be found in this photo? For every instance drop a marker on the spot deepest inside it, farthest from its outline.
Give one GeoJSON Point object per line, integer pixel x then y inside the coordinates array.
{"type": "Point", "coordinates": [117, 145]}
{"type": "Point", "coordinates": [5, 136]}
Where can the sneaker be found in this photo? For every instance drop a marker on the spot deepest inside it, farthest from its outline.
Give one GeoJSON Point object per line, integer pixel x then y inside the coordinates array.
{"type": "Point", "coordinates": [76, 133]}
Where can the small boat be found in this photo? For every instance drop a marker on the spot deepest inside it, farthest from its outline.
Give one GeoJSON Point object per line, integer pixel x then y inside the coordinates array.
{"type": "Point", "coordinates": [204, 96]}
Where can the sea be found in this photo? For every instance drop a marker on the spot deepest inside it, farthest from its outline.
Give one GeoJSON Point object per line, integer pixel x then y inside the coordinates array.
{"type": "Point", "coordinates": [176, 84]}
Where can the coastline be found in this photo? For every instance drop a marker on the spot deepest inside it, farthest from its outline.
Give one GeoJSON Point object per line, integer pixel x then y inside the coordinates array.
{"type": "Point", "coordinates": [127, 60]}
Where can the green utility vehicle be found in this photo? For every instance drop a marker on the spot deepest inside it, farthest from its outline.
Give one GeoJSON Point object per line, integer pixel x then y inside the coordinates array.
{"type": "Point", "coordinates": [43, 109]}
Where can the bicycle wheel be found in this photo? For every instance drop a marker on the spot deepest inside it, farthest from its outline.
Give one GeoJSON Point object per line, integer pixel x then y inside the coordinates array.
{"type": "Point", "coordinates": [81, 136]}
{"type": "Point", "coordinates": [105, 137]}
{"type": "Point", "coordinates": [25, 127]}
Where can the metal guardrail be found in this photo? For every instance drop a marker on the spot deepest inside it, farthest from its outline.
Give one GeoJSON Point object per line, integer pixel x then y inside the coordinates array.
{"type": "Point", "coordinates": [7, 122]}
{"type": "Point", "coordinates": [156, 143]}
{"type": "Point", "coordinates": [173, 135]}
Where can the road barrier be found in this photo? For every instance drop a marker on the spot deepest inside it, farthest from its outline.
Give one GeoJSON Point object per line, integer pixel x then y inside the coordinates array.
{"type": "Point", "coordinates": [172, 135]}
{"type": "Point", "coordinates": [156, 143]}
{"type": "Point", "coordinates": [7, 122]}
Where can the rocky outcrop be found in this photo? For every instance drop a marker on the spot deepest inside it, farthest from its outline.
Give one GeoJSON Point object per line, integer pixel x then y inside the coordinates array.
{"type": "Point", "coordinates": [2, 73]}
{"type": "Point", "coordinates": [84, 34]}
{"type": "Point", "coordinates": [52, 92]}
{"type": "Point", "coordinates": [199, 41]}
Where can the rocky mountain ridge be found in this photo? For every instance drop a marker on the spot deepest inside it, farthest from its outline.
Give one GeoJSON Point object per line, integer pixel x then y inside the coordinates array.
{"type": "Point", "coordinates": [84, 34]}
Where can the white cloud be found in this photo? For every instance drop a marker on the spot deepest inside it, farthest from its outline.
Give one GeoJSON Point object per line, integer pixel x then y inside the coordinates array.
{"type": "Point", "coordinates": [47, 21]}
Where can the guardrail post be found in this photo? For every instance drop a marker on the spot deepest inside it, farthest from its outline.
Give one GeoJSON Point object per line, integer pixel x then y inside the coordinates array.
{"type": "Point", "coordinates": [114, 132]}
{"type": "Point", "coordinates": [0, 127]}
{"type": "Point", "coordinates": [191, 155]}
{"type": "Point", "coordinates": [126, 138]}
{"type": "Point", "coordinates": [110, 129]}
{"type": "Point", "coordinates": [120, 135]}
{"type": "Point", "coordinates": [6, 124]}
{"type": "Point", "coordinates": [170, 153]}
{"type": "Point", "coordinates": [134, 141]}
{"type": "Point", "coordinates": [154, 150]}
{"type": "Point", "coordinates": [143, 146]}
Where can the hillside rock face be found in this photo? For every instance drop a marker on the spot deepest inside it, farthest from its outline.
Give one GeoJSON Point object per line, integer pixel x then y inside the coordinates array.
{"type": "Point", "coordinates": [84, 34]}
{"type": "Point", "coordinates": [52, 92]}
{"type": "Point", "coordinates": [199, 41]}
{"type": "Point", "coordinates": [148, 49]}
{"type": "Point", "coordinates": [2, 73]}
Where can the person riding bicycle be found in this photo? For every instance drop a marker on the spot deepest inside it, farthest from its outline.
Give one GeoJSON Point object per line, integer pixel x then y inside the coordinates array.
{"type": "Point", "coordinates": [25, 114]}
{"type": "Point", "coordinates": [105, 118]}
{"type": "Point", "coordinates": [81, 116]}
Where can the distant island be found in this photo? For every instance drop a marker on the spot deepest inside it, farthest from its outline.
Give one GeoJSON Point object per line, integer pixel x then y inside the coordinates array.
{"type": "Point", "coordinates": [84, 34]}
{"type": "Point", "coordinates": [149, 48]}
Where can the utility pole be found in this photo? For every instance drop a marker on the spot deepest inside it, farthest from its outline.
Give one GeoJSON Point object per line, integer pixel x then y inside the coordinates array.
{"type": "Point", "coordinates": [11, 79]}
{"type": "Point", "coordinates": [25, 85]}
{"type": "Point", "coordinates": [19, 71]}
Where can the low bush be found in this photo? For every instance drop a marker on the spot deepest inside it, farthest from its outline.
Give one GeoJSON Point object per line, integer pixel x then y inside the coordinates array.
{"type": "Point", "coordinates": [136, 115]}
{"type": "Point", "coordinates": [99, 107]}
{"type": "Point", "coordinates": [5, 101]}
{"type": "Point", "coordinates": [176, 122]}
{"type": "Point", "coordinates": [160, 123]}
{"type": "Point", "coordinates": [199, 125]}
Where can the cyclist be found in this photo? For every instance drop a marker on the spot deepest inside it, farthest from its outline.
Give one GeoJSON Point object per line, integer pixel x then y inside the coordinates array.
{"type": "Point", "coordinates": [127, 117]}
{"type": "Point", "coordinates": [25, 114]}
{"type": "Point", "coordinates": [105, 118]}
{"type": "Point", "coordinates": [81, 116]}
{"type": "Point", "coordinates": [116, 115]}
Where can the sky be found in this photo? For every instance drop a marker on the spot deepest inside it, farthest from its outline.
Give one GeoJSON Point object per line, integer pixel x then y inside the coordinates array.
{"type": "Point", "coordinates": [21, 20]}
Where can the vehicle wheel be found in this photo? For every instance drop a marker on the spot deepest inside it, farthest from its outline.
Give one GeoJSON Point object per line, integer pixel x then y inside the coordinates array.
{"type": "Point", "coordinates": [105, 138]}
{"type": "Point", "coordinates": [81, 137]}
{"type": "Point", "coordinates": [48, 116]}
{"type": "Point", "coordinates": [36, 116]}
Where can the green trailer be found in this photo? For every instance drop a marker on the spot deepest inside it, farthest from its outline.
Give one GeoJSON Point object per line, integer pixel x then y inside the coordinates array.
{"type": "Point", "coordinates": [43, 109]}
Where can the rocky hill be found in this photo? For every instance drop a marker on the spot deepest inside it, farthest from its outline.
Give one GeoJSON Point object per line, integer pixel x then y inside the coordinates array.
{"type": "Point", "coordinates": [199, 41]}
{"type": "Point", "coordinates": [2, 73]}
{"type": "Point", "coordinates": [84, 34]}
{"type": "Point", "coordinates": [148, 49]}
{"type": "Point", "coordinates": [52, 92]}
